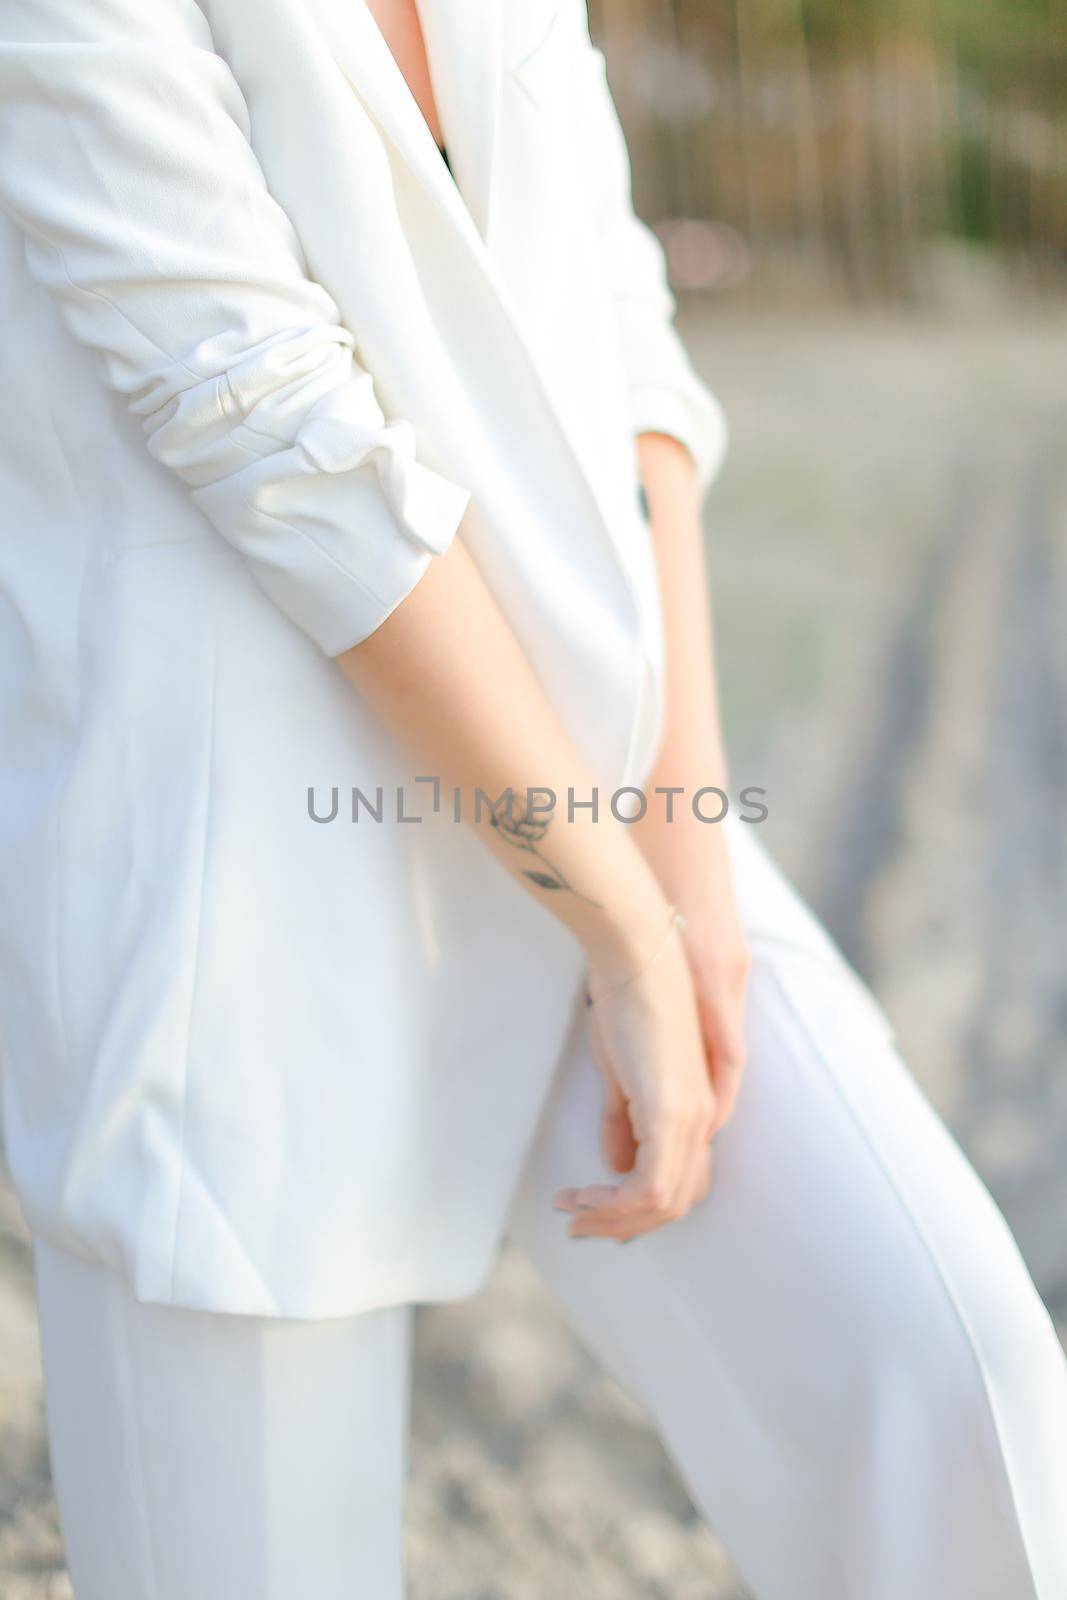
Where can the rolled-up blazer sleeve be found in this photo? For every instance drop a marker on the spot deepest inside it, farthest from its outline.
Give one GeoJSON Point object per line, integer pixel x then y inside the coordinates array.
{"type": "Point", "coordinates": [125, 159]}
{"type": "Point", "coordinates": [666, 393]}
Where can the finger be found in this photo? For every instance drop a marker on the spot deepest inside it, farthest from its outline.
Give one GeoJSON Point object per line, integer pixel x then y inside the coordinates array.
{"type": "Point", "coordinates": [630, 1227]}
{"type": "Point", "coordinates": [693, 1168]}
{"type": "Point", "coordinates": [701, 1177]}
{"type": "Point", "coordinates": [645, 1194]}
{"type": "Point", "coordinates": [707, 1171]}
{"type": "Point", "coordinates": [578, 1199]}
{"type": "Point", "coordinates": [612, 1217]}
{"type": "Point", "coordinates": [660, 1164]}
{"type": "Point", "coordinates": [727, 1076]}
{"type": "Point", "coordinates": [725, 1050]}
{"type": "Point", "coordinates": [691, 1172]}
{"type": "Point", "coordinates": [617, 1141]}
{"type": "Point", "coordinates": [621, 1218]}
{"type": "Point", "coordinates": [616, 1134]}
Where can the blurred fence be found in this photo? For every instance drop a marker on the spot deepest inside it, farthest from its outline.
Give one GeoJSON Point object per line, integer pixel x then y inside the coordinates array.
{"type": "Point", "coordinates": [848, 143]}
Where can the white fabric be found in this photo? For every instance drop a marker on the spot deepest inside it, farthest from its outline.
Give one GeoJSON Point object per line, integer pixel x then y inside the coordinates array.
{"type": "Point", "coordinates": [204, 1456]}
{"type": "Point", "coordinates": [841, 1349]}
{"type": "Point", "coordinates": [316, 351]}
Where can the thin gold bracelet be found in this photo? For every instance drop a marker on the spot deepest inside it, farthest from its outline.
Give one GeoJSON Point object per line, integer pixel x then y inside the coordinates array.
{"type": "Point", "coordinates": [676, 920]}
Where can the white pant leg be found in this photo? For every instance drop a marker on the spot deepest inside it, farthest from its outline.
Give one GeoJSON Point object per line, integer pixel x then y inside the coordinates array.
{"type": "Point", "coordinates": [200, 1456]}
{"type": "Point", "coordinates": [841, 1347]}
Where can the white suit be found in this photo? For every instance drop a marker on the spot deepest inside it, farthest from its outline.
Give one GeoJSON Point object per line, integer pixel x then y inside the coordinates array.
{"type": "Point", "coordinates": [308, 1073]}
{"type": "Point", "coordinates": [228, 1031]}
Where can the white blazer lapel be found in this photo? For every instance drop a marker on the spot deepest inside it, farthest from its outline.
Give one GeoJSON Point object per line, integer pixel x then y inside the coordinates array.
{"type": "Point", "coordinates": [465, 46]}
{"type": "Point", "coordinates": [463, 49]}
{"type": "Point", "coordinates": [463, 41]}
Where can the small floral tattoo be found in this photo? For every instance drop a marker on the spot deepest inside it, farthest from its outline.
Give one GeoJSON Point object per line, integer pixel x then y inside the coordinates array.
{"type": "Point", "coordinates": [517, 826]}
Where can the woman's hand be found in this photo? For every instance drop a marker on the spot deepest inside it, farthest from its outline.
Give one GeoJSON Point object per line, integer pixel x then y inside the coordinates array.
{"type": "Point", "coordinates": [659, 1106]}
{"type": "Point", "coordinates": [719, 961]}
{"type": "Point", "coordinates": [691, 863]}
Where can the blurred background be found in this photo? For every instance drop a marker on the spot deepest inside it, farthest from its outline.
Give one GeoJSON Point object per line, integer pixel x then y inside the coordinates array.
{"type": "Point", "coordinates": [864, 210]}
{"type": "Point", "coordinates": [877, 151]}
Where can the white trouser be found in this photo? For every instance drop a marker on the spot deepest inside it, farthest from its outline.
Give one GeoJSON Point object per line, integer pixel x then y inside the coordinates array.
{"type": "Point", "coordinates": [840, 1347]}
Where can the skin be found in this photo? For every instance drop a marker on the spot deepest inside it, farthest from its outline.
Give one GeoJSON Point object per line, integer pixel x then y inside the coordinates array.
{"type": "Point", "coordinates": [398, 23]}
{"type": "Point", "coordinates": [446, 674]}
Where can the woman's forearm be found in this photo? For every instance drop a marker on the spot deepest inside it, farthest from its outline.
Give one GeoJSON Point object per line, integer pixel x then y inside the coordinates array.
{"type": "Point", "coordinates": [688, 855]}
{"type": "Point", "coordinates": [690, 754]}
{"type": "Point", "coordinates": [448, 677]}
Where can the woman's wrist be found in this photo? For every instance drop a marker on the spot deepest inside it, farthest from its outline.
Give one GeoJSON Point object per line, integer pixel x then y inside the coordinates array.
{"type": "Point", "coordinates": [620, 938]}
{"type": "Point", "coordinates": [605, 980]}
{"type": "Point", "coordinates": [588, 871]}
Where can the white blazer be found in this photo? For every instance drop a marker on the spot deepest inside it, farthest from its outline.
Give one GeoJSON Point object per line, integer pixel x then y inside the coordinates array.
{"type": "Point", "coordinates": [255, 1062]}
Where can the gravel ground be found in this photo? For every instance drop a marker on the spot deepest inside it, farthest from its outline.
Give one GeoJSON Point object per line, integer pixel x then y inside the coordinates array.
{"type": "Point", "coordinates": [889, 552]}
